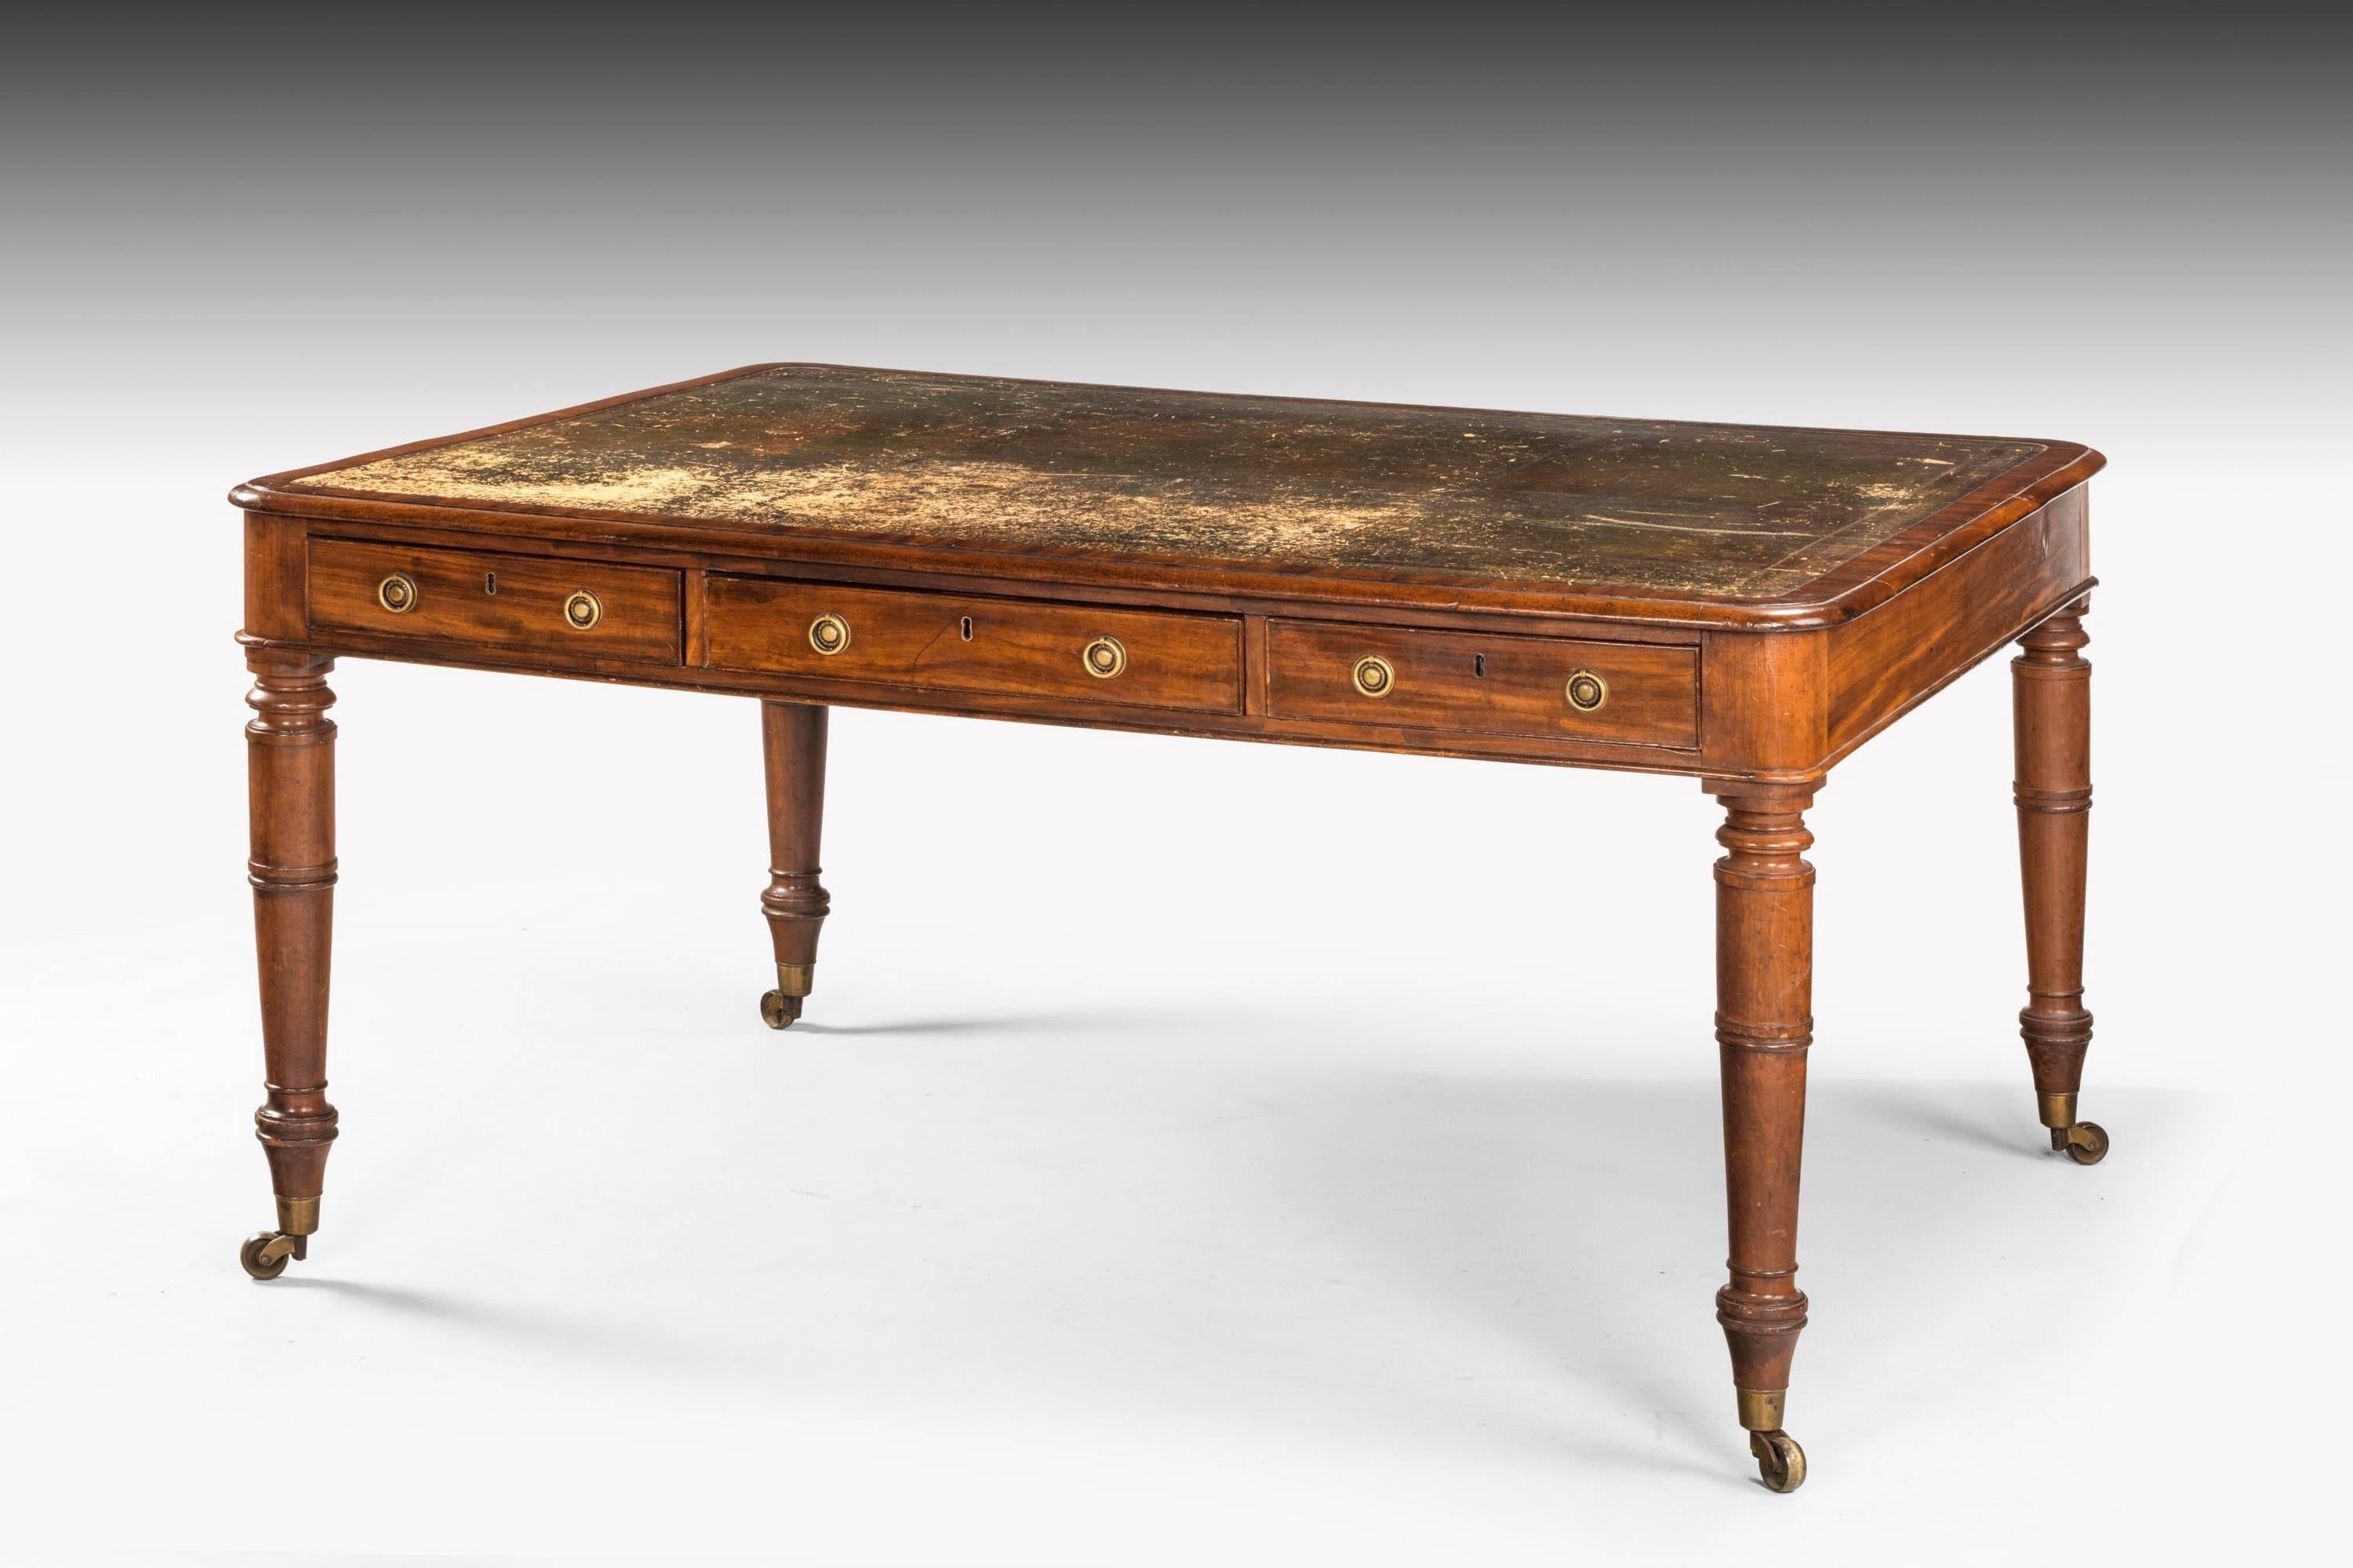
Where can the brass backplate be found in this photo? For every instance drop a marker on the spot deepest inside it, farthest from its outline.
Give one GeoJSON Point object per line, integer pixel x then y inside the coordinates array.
{"type": "Point", "coordinates": [1104, 658]}
{"type": "Point", "coordinates": [828, 634]}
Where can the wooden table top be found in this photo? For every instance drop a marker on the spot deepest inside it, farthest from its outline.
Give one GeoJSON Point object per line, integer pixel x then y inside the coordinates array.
{"type": "Point", "coordinates": [796, 454]}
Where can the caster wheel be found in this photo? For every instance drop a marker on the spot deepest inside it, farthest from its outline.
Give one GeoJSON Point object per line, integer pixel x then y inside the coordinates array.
{"type": "Point", "coordinates": [265, 1256]}
{"type": "Point", "coordinates": [2086, 1142]}
{"type": "Point", "coordinates": [778, 1011]}
{"type": "Point", "coordinates": [1780, 1463]}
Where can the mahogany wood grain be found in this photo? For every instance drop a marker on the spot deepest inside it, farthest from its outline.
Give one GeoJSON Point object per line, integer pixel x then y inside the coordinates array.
{"type": "Point", "coordinates": [489, 599]}
{"type": "Point", "coordinates": [2050, 685]}
{"type": "Point", "coordinates": [1255, 659]}
{"type": "Point", "coordinates": [953, 642]}
{"type": "Point", "coordinates": [290, 758]}
{"type": "Point", "coordinates": [1884, 662]}
{"type": "Point", "coordinates": [1481, 685]}
{"type": "Point", "coordinates": [1761, 704]}
{"type": "Point", "coordinates": [1415, 740]}
{"type": "Point", "coordinates": [975, 536]}
{"type": "Point", "coordinates": [277, 575]}
{"type": "Point", "coordinates": [1764, 1025]}
{"type": "Point", "coordinates": [979, 575]}
{"type": "Point", "coordinates": [795, 903]}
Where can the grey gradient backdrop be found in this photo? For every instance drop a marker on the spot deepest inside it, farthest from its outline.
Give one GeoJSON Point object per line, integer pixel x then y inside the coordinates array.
{"type": "Point", "coordinates": [1165, 1173]}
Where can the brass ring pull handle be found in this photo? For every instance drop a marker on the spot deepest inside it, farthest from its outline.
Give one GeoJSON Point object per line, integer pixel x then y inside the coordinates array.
{"type": "Point", "coordinates": [1374, 677]}
{"type": "Point", "coordinates": [398, 593]}
{"type": "Point", "coordinates": [828, 634]}
{"type": "Point", "coordinates": [1586, 691]}
{"type": "Point", "coordinates": [582, 610]}
{"type": "Point", "coordinates": [1104, 658]}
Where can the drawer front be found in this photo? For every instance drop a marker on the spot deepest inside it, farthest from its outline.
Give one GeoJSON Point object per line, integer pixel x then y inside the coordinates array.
{"type": "Point", "coordinates": [1633, 692]}
{"type": "Point", "coordinates": [524, 602]}
{"type": "Point", "coordinates": [948, 642]}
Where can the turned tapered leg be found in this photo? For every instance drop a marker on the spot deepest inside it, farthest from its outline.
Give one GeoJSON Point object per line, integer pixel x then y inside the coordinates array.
{"type": "Point", "coordinates": [2051, 690]}
{"type": "Point", "coordinates": [793, 736]}
{"type": "Point", "coordinates": [1764, 1021]}
{"type": "Point", "coordinates": [290, 765]}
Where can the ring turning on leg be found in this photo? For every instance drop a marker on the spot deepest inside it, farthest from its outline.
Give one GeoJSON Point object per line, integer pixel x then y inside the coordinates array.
{"type": "Point", "coordinates": [290, 758]}
{"type": "Point", "coordinates": [1763, 1025]}
{"type": "Point", "coordinates": [796, 902]}
{"type": "Point", "coordinates": [2051, 691]}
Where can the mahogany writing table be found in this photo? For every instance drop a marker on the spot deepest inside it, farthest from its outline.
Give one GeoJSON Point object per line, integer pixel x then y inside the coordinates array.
{"type": "Point", "coordinates": [1740, 605]}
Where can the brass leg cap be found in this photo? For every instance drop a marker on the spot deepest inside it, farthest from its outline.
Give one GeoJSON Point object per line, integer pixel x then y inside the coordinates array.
{"type": "Point", "coordinates": [2086, 1143]}
{"type": "Point", "coordinates": [265, 1255]}
{"type": "Point", "coordinates": [778, 1011]}
{"type": "Point", "coordinates": [1760, 1408]}
{"type": "Point", "coordinates": [1780, 1463]}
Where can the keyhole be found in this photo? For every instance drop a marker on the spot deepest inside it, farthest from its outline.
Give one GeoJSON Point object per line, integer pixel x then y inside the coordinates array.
{"type": "Point", "coordinates": [967, 628]}
{"type": "Point", "coordinates": [1479, 665]}
{"type": "Point", "coordinates": [490, 582]}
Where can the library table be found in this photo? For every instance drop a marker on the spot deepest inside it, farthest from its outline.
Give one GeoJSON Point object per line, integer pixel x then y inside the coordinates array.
{"type": "Point", "coordinates": [1742, 605]}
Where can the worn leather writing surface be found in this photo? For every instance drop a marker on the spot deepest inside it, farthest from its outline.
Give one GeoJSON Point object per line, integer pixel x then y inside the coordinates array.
{"type": "Point", "coordinates": [1660, 507]}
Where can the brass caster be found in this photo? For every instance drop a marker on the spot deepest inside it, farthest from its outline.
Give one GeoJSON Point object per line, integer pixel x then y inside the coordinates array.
{"type": "Point", "coordinates": [778, 1011]}
{"type": "Point", "coordinates": [265, 1255]}
{"type": "Point", "coordinates": [1780, 1463]}
{"type": "Point", "coordinates": [2085, 1143]}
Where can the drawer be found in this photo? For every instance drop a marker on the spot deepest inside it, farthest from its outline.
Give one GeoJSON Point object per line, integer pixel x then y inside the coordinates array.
{"type": "Point", "coordinates": [1633, 692]}
{"type": "Point", "coordinates": [949, 643]}
{"type": "Point", "coordinates": [525, 602]}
